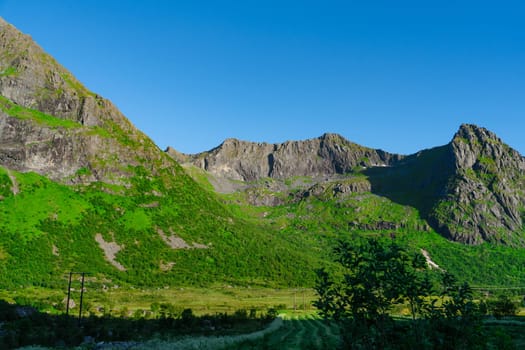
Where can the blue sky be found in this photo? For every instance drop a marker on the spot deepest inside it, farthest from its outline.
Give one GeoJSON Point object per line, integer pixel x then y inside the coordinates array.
{"type": "Point", "coordinates": [397, 75]}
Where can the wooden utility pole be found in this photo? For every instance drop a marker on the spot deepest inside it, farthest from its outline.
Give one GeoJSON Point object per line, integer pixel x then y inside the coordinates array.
{"type": "Point", "coordinates": [81, 297]}
{"type": "Point", "coordinates": [81, 293]}
{"type": "Point", "coordinates": [68, 293]}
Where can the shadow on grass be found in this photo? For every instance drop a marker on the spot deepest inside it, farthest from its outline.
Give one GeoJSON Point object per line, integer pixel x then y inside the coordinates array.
{"type": "Point", "coordinates": [24, 326]}
{"type": "Point", "coordinates": [317, 334]}
{"type": "Point", "coordinates": [418, 181]}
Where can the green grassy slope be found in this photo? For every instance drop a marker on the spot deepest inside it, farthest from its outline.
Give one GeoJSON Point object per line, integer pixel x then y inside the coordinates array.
{"type": "Point", "coordinates": [48, 229]}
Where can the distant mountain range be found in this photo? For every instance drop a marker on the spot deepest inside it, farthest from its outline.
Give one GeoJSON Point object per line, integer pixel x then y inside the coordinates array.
{"type": "Point", "coordinates": [470, 190]}
{"type": "Point", "coordinates": [82, 189]}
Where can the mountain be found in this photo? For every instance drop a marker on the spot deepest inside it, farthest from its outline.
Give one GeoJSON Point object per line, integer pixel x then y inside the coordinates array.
{"type": "Point", "coordinates": [484, 197]}
{"type": "Point", "coordinates": [53, 125]}
{"type": "Point", "coordinates": [327, 155]}
{"type": "Point", "coordinates": [81, 189]}
{"type": "Point", "coordinates": [470, 190]}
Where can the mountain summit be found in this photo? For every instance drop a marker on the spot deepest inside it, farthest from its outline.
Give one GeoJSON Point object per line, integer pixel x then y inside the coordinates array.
{"type": "Point", "coordinates": [483, 198]}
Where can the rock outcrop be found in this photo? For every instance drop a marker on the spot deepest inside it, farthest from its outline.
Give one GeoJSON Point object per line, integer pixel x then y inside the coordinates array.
{"type": "Point", "coordinates": [484, 197]}
{"type": "Point", "coordinates": [51, 124]}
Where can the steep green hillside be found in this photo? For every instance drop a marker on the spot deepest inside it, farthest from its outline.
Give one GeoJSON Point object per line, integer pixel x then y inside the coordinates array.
{"type": "Point", "coordinates": [81, 189]}
{"type": "Point", "coordinates": [152, 235]}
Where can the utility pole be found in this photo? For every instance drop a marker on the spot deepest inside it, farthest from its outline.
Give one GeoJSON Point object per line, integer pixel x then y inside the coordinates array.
{"type": "Point", "coordinates": [81, 297]}
{"type": "Point", "coordinates": [81, 293]}
{"type": "Point", "coordinates": [68, 293]}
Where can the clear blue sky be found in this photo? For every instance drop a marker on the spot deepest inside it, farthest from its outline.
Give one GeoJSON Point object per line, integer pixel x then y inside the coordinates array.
{"type": "Point", "coordinates": [397, 75]}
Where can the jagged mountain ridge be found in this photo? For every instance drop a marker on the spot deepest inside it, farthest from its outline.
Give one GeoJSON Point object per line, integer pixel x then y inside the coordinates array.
{"type": "Point", "coordinates": [470, 190]}
{"type": "Point", "coordinates": [484, 198]}
{"type": "Point", "coordinates": [330, 154]}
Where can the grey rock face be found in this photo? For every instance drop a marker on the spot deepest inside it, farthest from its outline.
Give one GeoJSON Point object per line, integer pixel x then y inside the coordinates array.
{"type": "Point", "coordinates": [98, 138]}
{"type": "Point", "coordinates": [327, 155]}
{"type": "Point", "coordinates": [33, 79]}
{"type": "Point", "coordinates": [484, 197]}
{"type": "Point", "coordinates": [59, 153]}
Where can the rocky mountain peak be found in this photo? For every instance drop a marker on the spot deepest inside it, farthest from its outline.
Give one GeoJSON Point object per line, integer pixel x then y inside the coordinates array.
{"type": "Point", "coordinates": [331, 136]}
{"type": "Point", "coordinates": [472, 142]}
{"type": "Point", "coordinates": [484, 196]}
{"type": "Point", "coordinates": [474, 132]}
{"type": "Point", "coordinates": [33, 79]}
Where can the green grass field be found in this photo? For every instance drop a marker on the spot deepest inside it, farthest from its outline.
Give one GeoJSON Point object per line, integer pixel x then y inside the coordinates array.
{"type": "Point", "coordinates": [125, 302]}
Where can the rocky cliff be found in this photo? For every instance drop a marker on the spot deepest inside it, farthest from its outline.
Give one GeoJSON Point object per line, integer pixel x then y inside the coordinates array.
{"type": "Point", "coordinates": [324, 156]}
{"type": "Point", "coordinates": [484, 197]}
{"type": "Point", "coordinates": [51, 124]}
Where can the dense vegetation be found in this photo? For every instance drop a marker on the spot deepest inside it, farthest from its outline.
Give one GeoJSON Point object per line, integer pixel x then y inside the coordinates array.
{"type": "Point", "coordinates": [48, 229]}
{"type": "Point", "coordinates": [376, 277]}
{"type": "Point", "coordinates": [321, 222]}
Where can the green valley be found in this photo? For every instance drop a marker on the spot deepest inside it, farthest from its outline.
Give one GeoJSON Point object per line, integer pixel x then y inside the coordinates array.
{"type": "Point", "coordinates": [218, 244]}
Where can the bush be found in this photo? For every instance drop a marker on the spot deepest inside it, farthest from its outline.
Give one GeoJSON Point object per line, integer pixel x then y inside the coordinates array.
{"type": "Point", "coordinates": [502, 307]}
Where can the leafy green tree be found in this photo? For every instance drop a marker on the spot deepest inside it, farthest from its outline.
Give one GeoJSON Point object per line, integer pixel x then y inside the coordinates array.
{"type": "Point", "coordinates": [376, 276]}
{"type": "Point", "coordinates": [457, 322]}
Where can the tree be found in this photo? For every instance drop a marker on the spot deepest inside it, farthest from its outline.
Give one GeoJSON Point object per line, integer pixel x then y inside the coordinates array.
{"type": "Point", "coordinates": [374, 277]}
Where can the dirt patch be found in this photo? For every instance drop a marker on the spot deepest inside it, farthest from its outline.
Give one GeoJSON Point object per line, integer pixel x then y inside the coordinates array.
{"type": "Point", "coordinates": [15, 188]}
{"type": "Point", "coordinates": [430, 263]}
{"type": "Point", "coordinates": [55, 250]}
{"type": "Point", "coordinates": [175, 242]}
{"type": "Point", "coordinates": [166, 266]}
{"type": "Point", "coordinates": [200, 246]}
{"type": "Point", "coordinates": [150, 205]}
{"type": "Point", "coordinates": [110, 251]}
